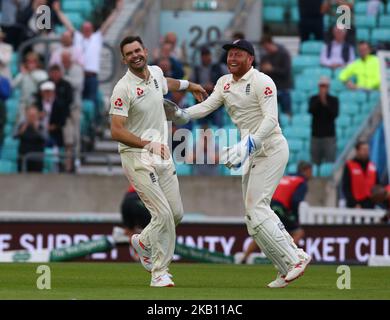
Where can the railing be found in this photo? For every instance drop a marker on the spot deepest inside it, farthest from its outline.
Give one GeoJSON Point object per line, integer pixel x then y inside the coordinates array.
{"type": "Point", "coordinates": [48, 42]}
{"type": "Point", "coordinates": [332, 216]}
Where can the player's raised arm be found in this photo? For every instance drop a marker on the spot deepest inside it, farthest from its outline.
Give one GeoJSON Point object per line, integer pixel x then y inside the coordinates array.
{"type": "Point", "coordinates": [177, 85]}
{"type": "Point", "coordinates": [212, 103]}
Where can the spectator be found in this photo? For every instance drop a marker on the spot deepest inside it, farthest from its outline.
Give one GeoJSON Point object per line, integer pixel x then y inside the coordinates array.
{"type": "Point", "coordinates": [176, 66]}
{"type": "Point", "coordinates": [54, 114]}
{"type": "Point", "coordinates": [28, 80]}
{"type": "Point", "coordinates": [14, 31]}
{"type": "Point", "coordinates": [289, 194]}
{"type": "Point", "coordinates": [311, 20]}
{"type": "Point", "coordinates": [6, 52]}
{"type": "Point", "coordinates": [67, 45]}
{"type": "Point", "coordinates": [277, 64]}
{"type": "Point", "coordinates": [177, 52]}
{"type": "Point", "coordinates": [324, 108]}
{"type": "Point", "coordinates": [74, 74]}
{"type": "Point", "coordinates": [380, 195]}
{"type": "Point", "coordinates": [337, 53]}
{"type": "Point", "coordinates": [329, 8]}
{"type": "Point", "coordinates": [32, 139]}
{"type": "Point", "coordinates": [64, 90]}
{"type": "Point", "coordinates": [359, 177]}
{"type": "Point", "coordinates": [91, 44]}
{"type": "Point", "coordinates": [366, 70]}
{"type": "Point", "coordinates": [205, 156]}
{"type": "Point", "coordinates": [207, 75]}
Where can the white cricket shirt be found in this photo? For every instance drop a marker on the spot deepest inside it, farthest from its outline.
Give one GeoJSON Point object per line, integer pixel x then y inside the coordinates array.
{"type": "Point", "coordinates": [141, 101]}
{"type": "Point", "coordinates": [248, 101]}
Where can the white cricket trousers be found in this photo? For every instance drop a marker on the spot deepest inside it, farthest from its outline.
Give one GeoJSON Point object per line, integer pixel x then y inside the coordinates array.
{"type": "Point", "coordinates": [261, 177]}
{"type": "Point", "coordinates": [157, 185]}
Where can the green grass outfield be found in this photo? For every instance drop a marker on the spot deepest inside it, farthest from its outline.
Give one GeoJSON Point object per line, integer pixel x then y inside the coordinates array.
{"type": "Point", "coordinates": [193, 281]}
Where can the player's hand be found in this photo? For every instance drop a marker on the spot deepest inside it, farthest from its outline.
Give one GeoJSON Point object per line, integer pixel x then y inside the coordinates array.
{"type": "Point", "coordinates": [236, 155]}
{"type": "Point", "coordinates": [198, 91]}
{"type": "Point", "coordinates": [159, 149]}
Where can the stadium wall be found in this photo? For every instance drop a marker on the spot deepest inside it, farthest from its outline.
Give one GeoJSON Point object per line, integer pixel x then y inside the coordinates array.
{"type": "Point", "coordinates": [213, 196]}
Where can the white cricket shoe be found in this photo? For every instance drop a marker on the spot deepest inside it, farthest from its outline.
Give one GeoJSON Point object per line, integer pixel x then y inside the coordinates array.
{"type": "Point", "coordinates": [143, 253]}
{"type": "Point", "coordinates": [162, 281]}
{"type": "Point", "coordinates": [298, 270]}
{"type": "Point", "coordinates": [279, 282]}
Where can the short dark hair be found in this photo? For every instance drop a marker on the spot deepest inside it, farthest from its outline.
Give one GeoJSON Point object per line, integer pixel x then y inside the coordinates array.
{"type": "Point", "coordinates": [267, 38]}
{"type": "Point", "coordinates": [55, 67]}
{"type": "Point", "coordinates": [303, 165]}
{"type": "Point", "coordinates": [359, 144]}
{"type": "Point", "coordinates": [238, 35]}
{"type": "Point", "coordinates": [130, 39]}
{"type": "Point", "coordinates": [364, 42]}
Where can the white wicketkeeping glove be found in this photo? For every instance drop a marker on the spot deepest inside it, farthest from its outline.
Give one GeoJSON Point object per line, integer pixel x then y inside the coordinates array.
{"type": "Point", "coordinates": [235, 156]}
{"type": "Point", "coordinates": [182, 117]}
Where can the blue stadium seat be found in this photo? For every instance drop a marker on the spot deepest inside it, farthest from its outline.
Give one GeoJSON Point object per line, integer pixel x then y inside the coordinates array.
{"type": "Point", "coordinates": [304, 83]}
{"type": "Point", "coordinates": [326, 169]}
{"type": "Point", "coordinates": [10, 149]}
{"type": "Point", "coordinates": [317, 72]}
{"type": "Point", "coordinates": [363, 34]}
{"type": "Point", "coordinates": [292, 168]}
{"type": "Point", "coordinates": [384, 21]}
{"type": "Point", "coordinates": [302, 121]}
{"type": "Point", "coordinates": [298, 96]}
{"type": "Point", "coordinates": [361, 8]}
{"type": "Point", "coordinates": [343, 121]}
{"type": "Point", "coordinates": [83, 7]}
{"type": "Point", "coordinates": [349, 108]}
{"type": "Point", "coordinates": [301, 62]}
{"type": "Point", "coordinates": [380, 35]}
{"type": "Point", "coordinates": [8, 167]}
{"type": "Point", "coordinates": [183, 169]}
{"type": "Point", "coordinates": [76, 19]}
{"type": "Point", "coordinates": [353, 96]}
{"type": "Point", "coordinates": [88, 108]}
{"type": "Point", "coordinates": [311, 47]}
{"type": "Point", "coordinates": [294, 14]}
{"type": "Point", "coordinates": [336, 86]}
{"type": "Point", "coordinates": [284, 120]}
{"type": "Point", "coordinates": [295, 145]}
{"type": "Point", "coordinates": [364, 21]}
{"type": "Point", "coordinates": [273, 14]}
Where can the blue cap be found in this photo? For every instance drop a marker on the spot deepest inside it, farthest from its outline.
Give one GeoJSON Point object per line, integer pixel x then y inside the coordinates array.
{"type": "Point", "coordinates": [240, 44]}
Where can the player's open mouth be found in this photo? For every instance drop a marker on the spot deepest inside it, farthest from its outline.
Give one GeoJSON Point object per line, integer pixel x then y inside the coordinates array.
{"type": "Point", "coordinates": [138, 61]}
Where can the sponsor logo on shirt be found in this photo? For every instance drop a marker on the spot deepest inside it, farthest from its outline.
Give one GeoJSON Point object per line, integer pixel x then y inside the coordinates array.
{"type": "Point", "coordinates": [268, 91]}
{"type": "Point", "coordinates": [140, 92]}
{"type": "Point", "coordinates": [153, 177]}
{"type": "Point", "coordinates": [226, 87]}
{"type": "Point", "coordinates": [155, 83]}
{"type": "Point", "coordinates": [248, 89]}
{"type": "Point", "coordinates": [118, 104]}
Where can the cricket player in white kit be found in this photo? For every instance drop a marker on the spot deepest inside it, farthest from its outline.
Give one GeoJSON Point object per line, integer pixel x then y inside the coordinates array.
{"type": "Point", "coordinates": [250, 99]}
{"type": "Point", "coordinates": [139, 125]}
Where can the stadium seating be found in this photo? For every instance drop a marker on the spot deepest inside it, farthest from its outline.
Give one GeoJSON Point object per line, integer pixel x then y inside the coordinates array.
{"type": "Point", "coordinates": [273, 14]}
{"type": "Point", "coordinates": [380, 35]}
{"type": "Point", "coordinates": [384, 21]}
{"type": "Point", "coordinates": [8, 167]}
{"type": "Point", "coordinates": [311, 47]}
{"type": "Point", "coordinates": [301, 62]}
{"type": "Point", "coordinates": [365, 21]}
{"type": "Point", "coordinates": [360, 8]}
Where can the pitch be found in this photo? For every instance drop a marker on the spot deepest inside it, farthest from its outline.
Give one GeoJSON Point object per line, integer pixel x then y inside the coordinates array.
{"type": "Point", "coordinates": [193, 281]}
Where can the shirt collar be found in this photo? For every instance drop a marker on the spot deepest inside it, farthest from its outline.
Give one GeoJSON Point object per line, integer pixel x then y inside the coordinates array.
{"type": "Point", "coordinates": [137, 79]}
{"type": "Point", "coordinates": [245, 77]}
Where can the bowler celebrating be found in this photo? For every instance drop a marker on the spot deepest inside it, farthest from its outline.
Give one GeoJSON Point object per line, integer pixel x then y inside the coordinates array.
{"type": "Point", "coordinates": [251, 101]}
{"type": "Point", "coordinates": [139, 125]}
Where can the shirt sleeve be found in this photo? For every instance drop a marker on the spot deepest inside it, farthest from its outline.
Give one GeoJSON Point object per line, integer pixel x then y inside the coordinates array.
{"type": "Point", "coordinates": [347, 72]}
{"type": "Point", "coordinates": [267, 98]}
{"type": "Point", "coordinates": [120, 104]}
{"type": "Point", "coordinates": [212, 103]}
